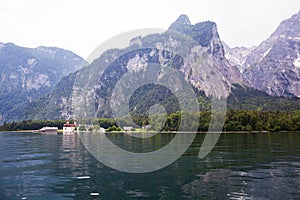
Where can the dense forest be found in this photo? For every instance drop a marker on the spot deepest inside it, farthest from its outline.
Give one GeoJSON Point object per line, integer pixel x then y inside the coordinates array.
{"type": "Point", "coordinates": [242, 120]}
{"type": "Point", "coordinates": [248, 110]}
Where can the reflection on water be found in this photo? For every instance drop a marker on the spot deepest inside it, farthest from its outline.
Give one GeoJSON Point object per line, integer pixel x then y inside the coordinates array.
{"type": "Point", "coordinates": [241, 166]}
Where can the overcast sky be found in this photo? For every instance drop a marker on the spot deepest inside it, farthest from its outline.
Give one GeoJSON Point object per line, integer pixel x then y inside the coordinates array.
{"type": "Point", "coordinates": [81, 25]}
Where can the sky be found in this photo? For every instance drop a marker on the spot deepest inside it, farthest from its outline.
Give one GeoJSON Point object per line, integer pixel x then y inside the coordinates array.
{"type": "Point", "coordinates": [82, 25]}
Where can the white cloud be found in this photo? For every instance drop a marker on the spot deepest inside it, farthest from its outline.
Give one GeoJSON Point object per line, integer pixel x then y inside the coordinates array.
{"type": "Point", "coordinates": [83, 24]}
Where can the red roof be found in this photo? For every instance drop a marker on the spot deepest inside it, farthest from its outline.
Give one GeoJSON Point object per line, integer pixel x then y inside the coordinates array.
{"type": "Point", "coordinates": [69, 125]}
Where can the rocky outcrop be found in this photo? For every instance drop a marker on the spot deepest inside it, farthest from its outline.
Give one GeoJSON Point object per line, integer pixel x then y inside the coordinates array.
{"type": "Point", "coordinates": [27, 74]}
{"type": "Point", "coordinates": [237, 56]}
{"type": "Point", "coordinates": [273, 66]}
{"type": "Point", "coordinates": [209, 43]}
{"type": "Point", "coordinates": [202, 64]}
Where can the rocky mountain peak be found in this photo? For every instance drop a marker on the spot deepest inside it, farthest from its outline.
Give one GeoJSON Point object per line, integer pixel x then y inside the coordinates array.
{"type": "Point", "coordinates": [201, 62]}
{"type": "Point", "coordinates": [289, 27]}
{"type": "Point", "coordinates": [202, 32]}
{"type": "Point", "coordinates": [182, 20]}
{"type": "Point", "coordinates": [273, 66]}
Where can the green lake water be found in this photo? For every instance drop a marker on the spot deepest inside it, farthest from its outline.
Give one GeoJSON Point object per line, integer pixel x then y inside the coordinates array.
{"type": "Point", "coordinates": [241, 166]}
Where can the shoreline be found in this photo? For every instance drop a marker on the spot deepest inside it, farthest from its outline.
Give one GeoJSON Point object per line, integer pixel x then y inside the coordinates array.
{"type": "Point", "coordinates": [60, 131]}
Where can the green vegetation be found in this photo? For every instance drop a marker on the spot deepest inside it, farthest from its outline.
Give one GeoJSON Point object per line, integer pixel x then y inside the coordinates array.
{"type": "Point", "coordinates": [245, 98]}
{"type": "Point", "coordinates": [114, 128]}
{"type": "Point", "coordinates": [31, 125]}
{"type": "Point", "coordinates": [82, 128]}
{"type": "Point", "coordinates": [242, 120]}
{"type": "Point", "coordinates": [257, 120]}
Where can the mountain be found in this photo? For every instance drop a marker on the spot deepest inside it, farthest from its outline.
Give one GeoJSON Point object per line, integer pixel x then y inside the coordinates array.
{"type": "Point", "coordinates": [26, 74]}
{"type": "Point", "coordinates": [237, 56]}
{"type": "Point", "coordinates": [208, 41]}
{"type": "Point", "coordinates": [274, 65]}
{"type": "Point", "coordinates": [265, 77]}
{"type": "Point", "coordinates": [201, 60]}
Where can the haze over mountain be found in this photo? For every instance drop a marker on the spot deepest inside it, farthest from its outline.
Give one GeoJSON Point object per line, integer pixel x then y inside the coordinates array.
{"type": "Point", "coordinates": [27, 74]}
{"type": "Point", "coordinates": [155, 48]}
{"type": "Point", "coordinates": [274, 65]}
{"type": "Point", "coordinates": [208, 64]}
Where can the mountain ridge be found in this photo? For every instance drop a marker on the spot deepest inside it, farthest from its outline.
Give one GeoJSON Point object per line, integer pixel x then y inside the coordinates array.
{"type": "Point", "coordinates": [27, 74]}
{"type": "Point", "coordinates": [235, 73]}
{"type": "Point", "coordinates": [206, 42]}
{"type": "Point", "coordinates": [273, 65]}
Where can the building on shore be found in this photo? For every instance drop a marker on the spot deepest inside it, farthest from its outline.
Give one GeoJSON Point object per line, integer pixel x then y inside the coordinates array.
{"type": "Point", "coordinates": [69, 128]}
{"type": "Point", "coordinates": [48, 129]}
{"type": "Point", "coordinates": [127, 128]}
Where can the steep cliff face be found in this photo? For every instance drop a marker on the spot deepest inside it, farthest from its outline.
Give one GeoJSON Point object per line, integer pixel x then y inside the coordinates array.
{"type": "Point", "coordinates": [206, 34]}
{"type": "Point", "coordinates": [195, 51]}
{"type": "Point", "coordinates": [273, 66]}
{"type": "Point", "coordinates": [27, 74]}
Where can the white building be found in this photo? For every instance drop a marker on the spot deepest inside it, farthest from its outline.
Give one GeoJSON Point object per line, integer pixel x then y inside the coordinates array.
{"type": "Point", "coordinates": [69, 128]}
{"type": "Point", "coordinates": [127, 128]}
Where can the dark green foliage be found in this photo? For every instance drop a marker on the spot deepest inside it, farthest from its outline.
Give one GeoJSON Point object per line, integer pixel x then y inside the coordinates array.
{"type": "Point", "coordinates": [257, 120]}
{"type": "Point", "coordinates": [242, 120]}
{"type": "Point", "coordinates": [245, 98]}
{"type": "Point", "coordinates": [113, 128]}
{"type": "Point", "coordinates": [148, 95]}
{"type": "Point", "coordinates": [106, 122]}
{"type": "Point", "coordinates": [31, 125]}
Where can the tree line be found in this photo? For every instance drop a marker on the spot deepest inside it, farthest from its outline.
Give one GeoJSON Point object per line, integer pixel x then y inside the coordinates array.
{"type": "Point", "coordinates": [235, 120]}
{"type": "Point", "coordinates": [31, 125]}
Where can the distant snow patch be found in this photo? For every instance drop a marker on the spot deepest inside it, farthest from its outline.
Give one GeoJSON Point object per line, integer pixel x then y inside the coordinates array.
{"type": "Point", "coordinates": [266, 53]}
{"type": "Point", "coordinates": [294, 38]}
{"type": "Point", "coordinates": [31, 62]}
{"type": "Point", "coordinates": [297, 61]}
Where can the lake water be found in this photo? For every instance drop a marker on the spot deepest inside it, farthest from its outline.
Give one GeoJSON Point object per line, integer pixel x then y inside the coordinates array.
{"type": "Point", "coordinates": [241, 166]}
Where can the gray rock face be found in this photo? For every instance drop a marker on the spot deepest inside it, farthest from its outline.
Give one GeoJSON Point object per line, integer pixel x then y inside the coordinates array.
{"type": "Point", "coordinates": [181, 23]}
{"type": "Point", "coordinates": [29, 73]}
{"type": "Point", "coordinates": [26, 74]}
{"type": "Point", "coordinates": [206, 34]}
{"type": "Point", "coordinates": [237, 56]}
{"type": "Point", "coordinates": [203, 59]}
{"type": "Point", "coordinates": [274, 66]}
